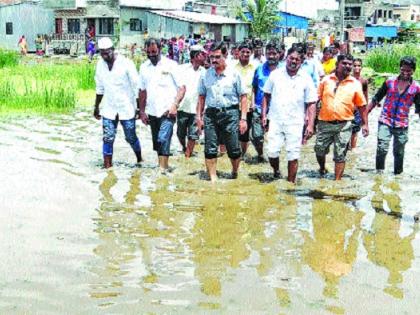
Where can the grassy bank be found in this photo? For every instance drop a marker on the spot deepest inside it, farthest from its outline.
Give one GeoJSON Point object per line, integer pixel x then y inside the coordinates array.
{"type": "Point", "coordinates": [387, 59]}
{"type": "Point", "coordinates": [44, 87]}
{"type": "Point", "coordinates": [8, 58]}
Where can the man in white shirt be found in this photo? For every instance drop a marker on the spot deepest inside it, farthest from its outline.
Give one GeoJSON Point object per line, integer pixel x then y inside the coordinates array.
{"type": "Point", "coordinates": [288, 90]}
{"type": "Point", "coordinates": [186, 124]}
{"type": "Point", "coordinates": [117, 88]}
{"type": "Point", "coordinates": [161, 92]}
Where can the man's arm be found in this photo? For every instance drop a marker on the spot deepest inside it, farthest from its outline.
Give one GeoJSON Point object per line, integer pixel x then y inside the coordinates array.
{"type": "Point", "coordinates": [98, 100]}
{"type": "Point", "coordinates": [178, 99]}
{"type": "Point", "coordinates": [243, 125]}
{"type": "Point", "coordinates": [310, 116]}
{"type": "Point", "coordinates": [200, 112]}
{"type": "Point", "coordinates": [265, 102]}
{"type": "Point", "coordinates": [363, 110]}
{"type": "Point", "coordinates": [142, 107]}
{"type": "Point", "coordinates": [417, 103]}
{"type": "Point", "coordinates": [378, 97]}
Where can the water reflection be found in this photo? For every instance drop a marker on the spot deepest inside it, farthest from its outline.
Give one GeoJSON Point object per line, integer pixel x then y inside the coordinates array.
{"type": "Point", "coordinates": [116, 224]}
{"type": "Point", "coordinates": [385, 247]}
{"type": "Point", "coordinates": [332, 249]}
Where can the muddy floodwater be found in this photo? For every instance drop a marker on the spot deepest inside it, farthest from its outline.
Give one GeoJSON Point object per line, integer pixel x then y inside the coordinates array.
{"type": "Point", "coordinates": [78, 239]}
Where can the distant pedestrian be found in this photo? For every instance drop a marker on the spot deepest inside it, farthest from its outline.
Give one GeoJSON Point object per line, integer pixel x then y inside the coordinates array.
{"type": "Point", "coordinates": [340, 95]}
{"type": "Point", "coordinates": [400, 94]}
{"type": "Point", "coordinates": [328, 61]}
{"type": "Point", "coordinates": [117, 88]}
{"type": "Point", "coordinates": [161, 92]}
{"type": "Point", "coordinates": [23, 45]}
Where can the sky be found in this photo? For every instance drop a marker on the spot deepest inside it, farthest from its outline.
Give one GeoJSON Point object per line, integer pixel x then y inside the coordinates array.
{"type": "Point", "coordinates": [307, 7]}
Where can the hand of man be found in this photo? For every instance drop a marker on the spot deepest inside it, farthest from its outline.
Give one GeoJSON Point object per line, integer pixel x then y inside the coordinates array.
{"type": "Point", "coordinates": [309, 132]}
{"type": "Point", "coordinates": [200, 124]}
{"type": "Point", "coordinates": [172, 111]}
{"type": "Point", "coordinates": [144, 118]}
{"type": "Point", "coordinates": [96, 113]}
{"type": "Point", "coordinates": [365, 130]}
{"type": "Point", "coordinates": [243, 126]}
{"type": "Point", "coordinates": [264, 122]}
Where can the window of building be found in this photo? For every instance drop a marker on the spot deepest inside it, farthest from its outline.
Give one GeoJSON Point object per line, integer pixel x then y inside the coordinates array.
{"type": "Point", "coordinates": [73, 26]}
{"type": "Point", "coordinates": [135, 25]}
{"type": "Point", "coordinates": [9, 28]}
{"type": "Point", "coordinates": [390, 14]}
{"type": "Point", "coordinates": [379, 13]}
{"type": "Point", "coordinates": [412, 17]}
{"type": "Point", "coordinates": [106, 26]}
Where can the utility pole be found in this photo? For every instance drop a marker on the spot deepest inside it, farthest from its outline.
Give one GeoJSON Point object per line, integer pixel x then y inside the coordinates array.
{"type": "Point", "coordinates": [342, 12]}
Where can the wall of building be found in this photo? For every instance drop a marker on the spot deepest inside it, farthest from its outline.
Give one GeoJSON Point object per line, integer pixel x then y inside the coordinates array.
{"type": "Point", "coordinates": [164, 27]}
{"type": "Point", "coordinates": [37, 20]}
{"type": "Point", "coordinates": [127, 36]}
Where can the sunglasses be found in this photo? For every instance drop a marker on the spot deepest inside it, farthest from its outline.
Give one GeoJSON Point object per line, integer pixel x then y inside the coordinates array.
{"type": "Point", "coordinates": [215, 57]}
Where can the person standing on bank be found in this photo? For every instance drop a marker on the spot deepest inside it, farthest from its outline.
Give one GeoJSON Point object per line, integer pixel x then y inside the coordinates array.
{"type": "Point", "coordinates": [117, 86]}
{"type": "Point", "coordinates": [161, 92]}
{"type": "Point", "coordinates": [291, 92]}
{"type": "Point", "coordinates": [187, 126]}
{"type": "Point", "coordinates": [340, 93]}
{"type": "Point", "coordinates": [400, 92]}
{"type": "Point", "coordinates": [221, 93]}
{"type": "Point", "coordinates": [246, 70]}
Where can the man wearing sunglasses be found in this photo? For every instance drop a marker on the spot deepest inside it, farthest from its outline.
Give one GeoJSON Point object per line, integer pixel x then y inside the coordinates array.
{"type": "Point", "coordinates": [340, 94]}
{"type": "Point", "coordinates": [221, 93]}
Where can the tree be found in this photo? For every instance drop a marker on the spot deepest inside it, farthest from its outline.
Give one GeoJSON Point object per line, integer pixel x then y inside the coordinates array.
{"type": "Point", "coordinates": [262, 16]}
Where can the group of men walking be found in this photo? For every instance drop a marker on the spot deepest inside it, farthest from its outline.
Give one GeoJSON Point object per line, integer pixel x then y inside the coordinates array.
{"type": "Point", "coordinates": [239, 100]}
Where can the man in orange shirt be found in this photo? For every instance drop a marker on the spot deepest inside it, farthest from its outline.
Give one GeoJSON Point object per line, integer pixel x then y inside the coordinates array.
{"type": "Point", "coordinates": [339, 93]}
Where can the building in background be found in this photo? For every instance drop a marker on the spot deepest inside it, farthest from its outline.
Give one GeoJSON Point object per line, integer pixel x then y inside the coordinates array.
{"type": "Point", "coordinates": [28, 18]}
{"type": "Point", "coordinates": [167, 24]}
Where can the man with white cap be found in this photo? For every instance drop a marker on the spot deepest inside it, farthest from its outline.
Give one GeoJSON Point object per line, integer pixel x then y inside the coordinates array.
{"type": "Point", "coordinates": [161, 92]}
{"type": "Point", "coordinates": [191, 73]}
{"type": "Point", "coordinates": [117, 86]}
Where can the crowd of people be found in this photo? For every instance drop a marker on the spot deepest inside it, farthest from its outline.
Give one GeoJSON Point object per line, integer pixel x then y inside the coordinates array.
{"type": "Point", "coordinates": [268, 96]}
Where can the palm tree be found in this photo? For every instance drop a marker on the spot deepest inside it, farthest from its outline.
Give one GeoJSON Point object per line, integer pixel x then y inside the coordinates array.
{"type": "Point", "coordinates": [262, 15]}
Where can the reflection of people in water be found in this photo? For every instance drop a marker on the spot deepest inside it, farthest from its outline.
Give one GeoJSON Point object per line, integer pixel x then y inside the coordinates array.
{"type": "Point", "coordinates": [329, 252]}
{"type": "Point", "coordinates": [383, 243]}
{"type": "Point", "coordinates": [218, 241]}
{"type": "Point", "coordinates": [117, 247]}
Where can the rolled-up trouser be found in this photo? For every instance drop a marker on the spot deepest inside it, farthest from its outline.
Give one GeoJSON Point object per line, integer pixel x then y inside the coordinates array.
{"type": "Point", "coordinates": [280, 134]}
{"type": "Point", "coordinates": [385, 133]}
{"type": "Point", "coordinates": [337, 132]}
{"type": "Point", "coordinates": [109, 127]}
{"type": "Point", "coordinates": [162, 130]}
{"type": "Point", "coordinates": [186, 126]}
{"type": "Point", "coordinates": [221, 126]}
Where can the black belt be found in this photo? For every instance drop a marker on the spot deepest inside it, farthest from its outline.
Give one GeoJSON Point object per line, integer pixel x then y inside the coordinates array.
{"type": "Point", "coordinates": [215, 110]}
{"type": "Point", "coordinates": [335, 122]}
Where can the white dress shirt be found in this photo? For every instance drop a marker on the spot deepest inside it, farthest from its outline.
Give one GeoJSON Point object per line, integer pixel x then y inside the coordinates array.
{"type": "Point", "coordinates": [161, 83]}
{"type": "Point", "coordinates": [289, 95]}
{"type": "Point", "coordinates": [191, 78]}
{"type": "Point", "coordinates": [119, 88]}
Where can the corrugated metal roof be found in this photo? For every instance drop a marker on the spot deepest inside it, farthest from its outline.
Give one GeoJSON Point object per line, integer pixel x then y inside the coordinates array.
{"type": "Point", "coordinates": [381, 31]}
{"type": "Point", "coordinates": [197, 17]}
{"type": "Point", "coordinates": [154, 4]}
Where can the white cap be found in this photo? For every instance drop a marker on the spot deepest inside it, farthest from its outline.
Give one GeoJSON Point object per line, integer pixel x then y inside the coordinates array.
{"type": "Point", "coordinates": [197, 48]}
{"type": "Point", "coordinates": [105, 43]}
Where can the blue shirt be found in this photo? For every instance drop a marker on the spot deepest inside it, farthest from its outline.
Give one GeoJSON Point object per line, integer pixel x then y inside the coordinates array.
{"type": "Point", "coordinates": [221, 90]}
{"type": "Point", "coordinates": [311, 69]}
{"type": "Point", "coordinates": [260, 77]}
